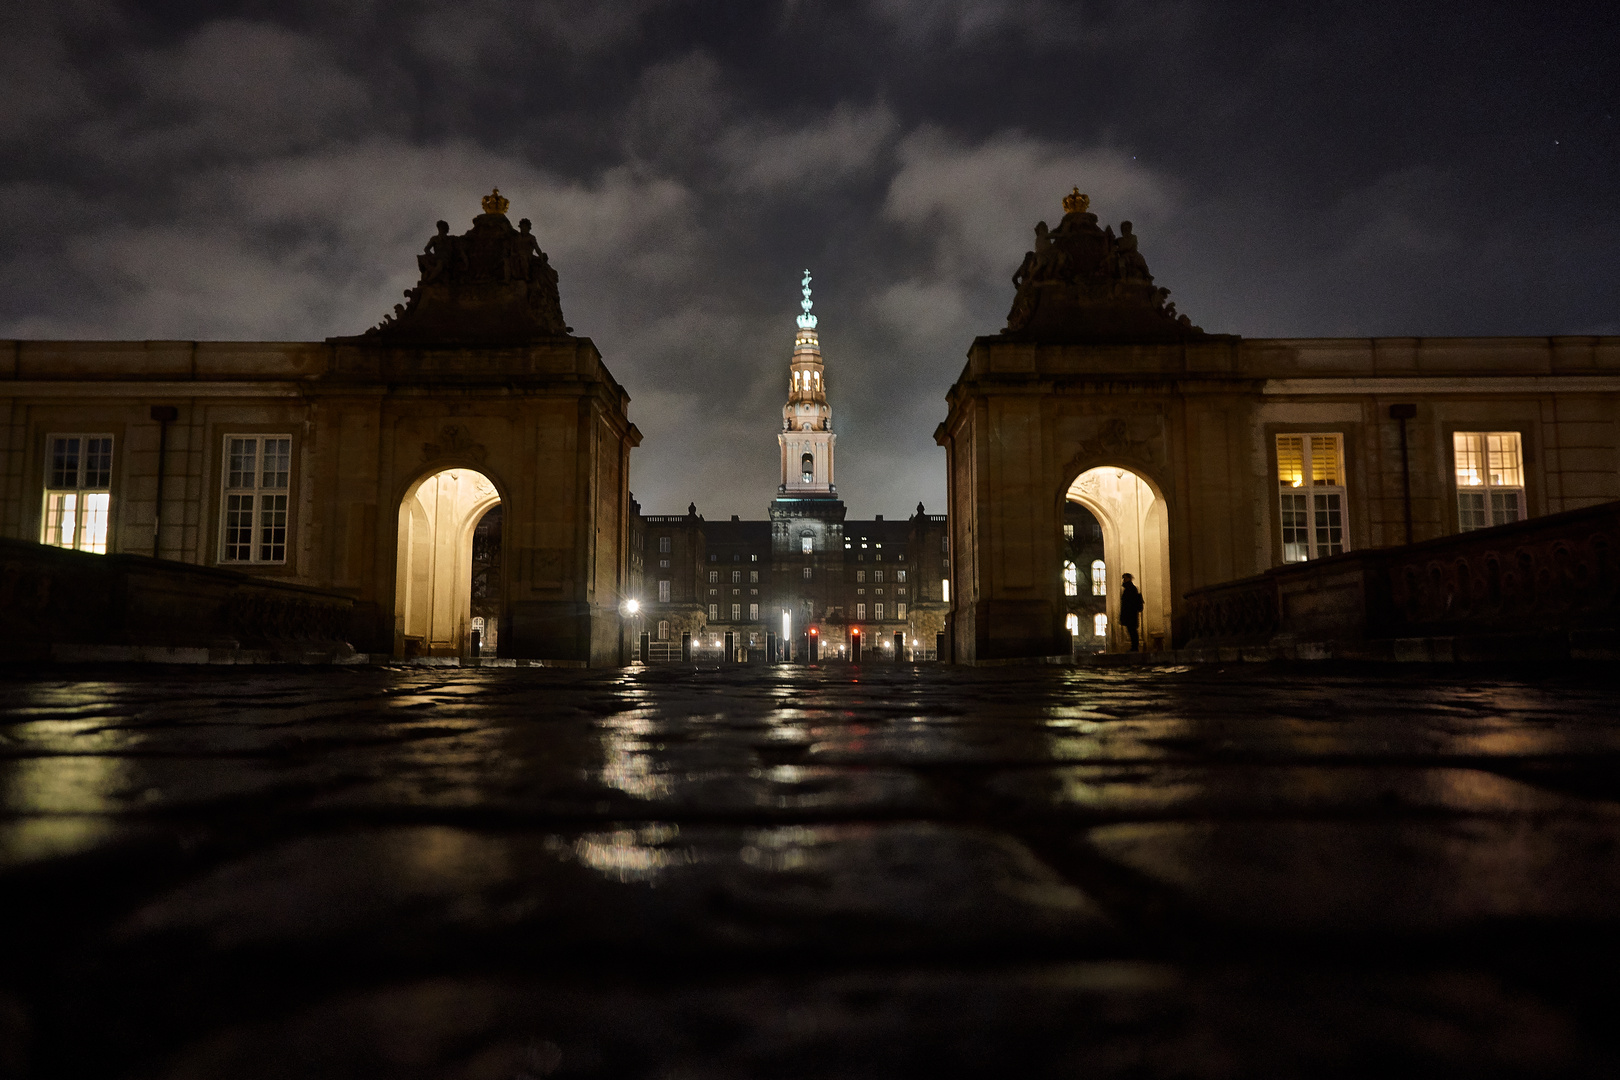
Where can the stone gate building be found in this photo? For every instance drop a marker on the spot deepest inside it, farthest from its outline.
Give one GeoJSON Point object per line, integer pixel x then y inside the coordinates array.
{"type": "Point", "coordinates": [361, 465]}
{"type": "Point", "coordinates": [1207, 458]}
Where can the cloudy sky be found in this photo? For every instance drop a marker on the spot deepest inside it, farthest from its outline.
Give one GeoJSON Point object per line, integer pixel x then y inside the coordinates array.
{"type": "Point", "coordinates": [267, 171]}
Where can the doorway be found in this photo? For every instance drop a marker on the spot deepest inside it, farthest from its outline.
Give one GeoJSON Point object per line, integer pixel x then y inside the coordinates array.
{"type": "Point", "coordinates": [439, 518]}
{"type": "Point", "coordinates": [1136, 541]}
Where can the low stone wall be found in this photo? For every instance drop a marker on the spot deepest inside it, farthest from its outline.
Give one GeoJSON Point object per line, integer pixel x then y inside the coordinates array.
{"type": "Point", "coordinates": [51, 599]}
{"type": "Point", "coordinates": [1548, 575]}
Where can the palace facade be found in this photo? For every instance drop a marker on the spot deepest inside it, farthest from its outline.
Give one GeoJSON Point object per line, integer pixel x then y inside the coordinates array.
{"type": "Point", "coordinates": [807, 574]}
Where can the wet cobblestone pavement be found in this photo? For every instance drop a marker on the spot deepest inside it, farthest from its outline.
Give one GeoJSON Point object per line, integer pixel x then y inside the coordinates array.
{"type": "Point", "coordinates": [1261, 870]}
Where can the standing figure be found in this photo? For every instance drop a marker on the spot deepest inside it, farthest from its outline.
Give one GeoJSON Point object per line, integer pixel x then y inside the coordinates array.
{"type": "Point", "coordinates": [1130, 609]}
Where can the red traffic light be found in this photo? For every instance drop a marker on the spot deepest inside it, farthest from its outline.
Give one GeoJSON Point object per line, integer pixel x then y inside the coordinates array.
{"type": "Point", "coordinates": [814, 631]}
{"type": "Point", "coordinates": [855, 632]}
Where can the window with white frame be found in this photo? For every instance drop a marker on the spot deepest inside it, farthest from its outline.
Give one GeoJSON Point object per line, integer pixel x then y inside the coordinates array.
{"type": "Point", "coordinates": [1099, 578]}
{"type": "Point", "coordinates": [736, 577]}
{"type": "Point", "coordinates": [736, 613]}
{"type": "Point", "coordinates": [1310, 478]}
{"type": "Point", "coordinates": [663, 544]}
{"type": "Point", "coordinates": [1099, 625]}
{"type": "Point", "coordinates": [663, 592]}
{"type": "Point", "coordinates": [254, 525]}
{"type": "Point", "coordinates": [860, 575]}
{"type": "Point", "coordinates": [900, 575]}
{"type": "Point", "coordinates": [753, 577]}
{"type": "Point", "coordinates": [1068, 533]}
{"type": "Point", "coordinates": [1490, 478]}
{"type": "Point", "coordinates": [714, 576]}
{"type": "Point", "coordinates": [663, 629]}
{"type": "Point", "coordinates": [78, 492]}
{"type": "Point", "coordinates": [807, 543]}
{"type": "Point", "coordinates": [714, 611]}
{"type": "Point", "coordinates": [1072, 623]}
{"type": "Point", "coordinates": [877, 612]}
{"type": "Point", "coordinates": [899, 611]}
{"type": "Point", "coordinates": [807, 573]}
{"type": "Point", "coordinates": [1071, 579]}
{"type": "Point", "coordinates": [753, 613]}
{"type": "Point", "coordinates": [860, 611]}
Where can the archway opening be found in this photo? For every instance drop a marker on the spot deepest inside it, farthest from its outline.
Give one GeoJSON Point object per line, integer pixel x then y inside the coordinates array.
{"type": "Point", "coordinates": [449, 560]}
{"type": "Point", "coordinates": [1132, 532]}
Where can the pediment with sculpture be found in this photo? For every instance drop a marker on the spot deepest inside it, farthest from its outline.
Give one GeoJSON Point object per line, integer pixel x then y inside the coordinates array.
{"type": "Point", "coordinates": [491, 285]}
{"type": "Point", "coordinates": [1084, 283]}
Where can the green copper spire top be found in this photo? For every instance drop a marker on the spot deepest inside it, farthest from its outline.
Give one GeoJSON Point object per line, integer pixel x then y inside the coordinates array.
{"type": "Point", "coordinates": [807, 321]}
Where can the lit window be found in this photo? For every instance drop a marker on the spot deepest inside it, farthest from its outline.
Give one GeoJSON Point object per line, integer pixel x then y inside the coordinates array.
{"type": "Point", "coordinates": [945, 589]}
{"type": "Point", "coordinates": [78, 496]}
{"type": "Point", "coordinates": [1099, 578]}
{"type": "Point", "coordinates": [807, 468]}
{"type": "Point", "coordinates": [807, 573]}
{"type": "Point", "coordinates": [1310, 476]}
{"type": "Point", "coordinates": [257, 469]}
{"type": "Point", "coordinates": [663, 629]}
{"type": "Point", "coordinates": [753, 613]}
{"type": "Point", "coordinates": [736, 613]}
{"type": "Point", "coordinates": [663, 544]}
{"type": "Point", "coordinates": [663, 592]}
{"type": "Point", "coordinates": [899, 611]}
{"type": "Point", "coordinates": [899, 575]}
{"type": "Point", "coordinates": [878, 612]}
{"type": "Point", "coordinates": [1073, 625]}
{"type": "Point", "coordinates": [860, 611]}
{"type": "Point", "coordinates": [1071, 579]}
{"type": "Point", "coordinates": [1490, 478]}
{"type": "Point", "coordinates": [753, 577]}
{"type": "Point", "coordinates": [1099, 625]}
{"type": "Point", "coordinates": [877, 576]}
{"type": "Point", "coordinates": [1068, 534]}
{"type": "Point", "coordinates": [807, 543]}
{"type": "Point", "coordinates": [714, 611]}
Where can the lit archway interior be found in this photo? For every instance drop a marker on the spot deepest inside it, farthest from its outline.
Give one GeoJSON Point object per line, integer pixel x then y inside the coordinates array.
{"type": "Point", "coordinates": [1136, 541]}
{"type": "Point", "coordinates": [434, 590]}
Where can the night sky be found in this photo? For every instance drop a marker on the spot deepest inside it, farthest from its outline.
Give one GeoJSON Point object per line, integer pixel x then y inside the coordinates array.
{"type": "Point", "coordinates": [262, 171]}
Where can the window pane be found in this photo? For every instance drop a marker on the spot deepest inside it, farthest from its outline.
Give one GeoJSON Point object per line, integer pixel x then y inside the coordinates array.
{"type": "Point", "coordinates": [93, 522]}
{"type": "Point", "coordinates": [899, 611]}
{"type": "Point", "coordinates": [1503, 449]}
{"type": "Point", "coordinates": [860, 611]}
{"type": "Point", "coordinates": [1296, 542]}
{"type": "Point", "coordinates": [1099, 578]}
{"type": "Point", "coordinates": [1325, 461]}
{"type": "Point", "coordinates": [1504, 507]}
{"type": "Point", "coordinates": [97, 463]}
{"type": "Point", "coordinates": [1099, 625]}
{"type": "Point", "coordinates": [806, 542]}
{"type": "Point", "coordinates": [1465, 448]}
{"type": "Point", "coordinates": [1329, 526]}
{"type": "Point", "coordinates": [1290, 460]}
{"type": "Point", "coordinates": [1071, 579]}
{"type": "Point", "coordinates": [60, 514]}
{"type": "Point", "coordinates": [64, 463]}
{"type": "Point", "coordinates": [899, 575]}
{"type": "Point", "coordinates": [663, 592]}
{"type": "Point", "coordinates": [736, 577]}
{"type": "Point", "coordinates": [239, 527]}
{"type": "Point", "coordinates": [242, 454]}
{"type": "Point", "coordinates": [277, 460]}
{"type": "Point", "coordinates": [714, 611]}
{"type": "Point", "coordinates": [807, 573]}
{"type": "Point", "coordinates": [877, 576]}
{"type": "Point", "coordinates": [753, 613]}
{"type": "Point", "coordinates": [272, 528]}
{"type": "Point", "coordinates": [1470, 510]}
{"type": "Point", "coordinates": [878, 611]}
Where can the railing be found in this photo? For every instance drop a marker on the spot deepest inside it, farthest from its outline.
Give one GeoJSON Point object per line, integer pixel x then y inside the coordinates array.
{"type": "Point", "coordinates": [1553, 573]}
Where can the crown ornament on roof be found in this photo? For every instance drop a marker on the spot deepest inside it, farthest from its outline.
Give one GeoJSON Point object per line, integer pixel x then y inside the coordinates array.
{"type": "Point", "coordinates": [807, 321]}
{"type": "Point", "coordinates": [1076, 203]}
{"type": "Point", "coordinates": [495, 202]}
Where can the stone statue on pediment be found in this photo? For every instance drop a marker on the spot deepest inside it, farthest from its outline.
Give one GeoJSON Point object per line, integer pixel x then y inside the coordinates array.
{"type": "Point", "coordinates": [491, 285]}
{"type": "Point", "coordinates": [1083, 283]}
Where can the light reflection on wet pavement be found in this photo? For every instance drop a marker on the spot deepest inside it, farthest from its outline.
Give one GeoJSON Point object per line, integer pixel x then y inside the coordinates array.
{"type": "Point", "coordinates": [1217, 872]}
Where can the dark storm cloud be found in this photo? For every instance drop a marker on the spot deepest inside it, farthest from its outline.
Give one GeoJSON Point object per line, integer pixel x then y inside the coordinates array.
{"type": "Point", "coordinates": [258, 171]}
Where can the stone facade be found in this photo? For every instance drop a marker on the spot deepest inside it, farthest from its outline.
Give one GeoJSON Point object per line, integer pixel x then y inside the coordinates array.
{"type": "Point", "coordinates": [361, 465]}
{"type": "Point", "coordinates": [1180, 443]}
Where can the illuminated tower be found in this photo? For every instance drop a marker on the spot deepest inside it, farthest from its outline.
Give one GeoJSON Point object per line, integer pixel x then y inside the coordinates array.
{"type": "Point", "coordinates": [807, 438]}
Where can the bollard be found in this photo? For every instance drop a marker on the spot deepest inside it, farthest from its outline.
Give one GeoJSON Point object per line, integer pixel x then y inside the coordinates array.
{"type": "Point", "coordinates": [899, 646]}
{"type": "Point", "coordinates": [730, 656]}
{"type": "Point", "coordinates": [645, 645]}
{"type": "Point", "coordinates": [855, 646]}
{"type": "Point", "coordinates": [686, 646]}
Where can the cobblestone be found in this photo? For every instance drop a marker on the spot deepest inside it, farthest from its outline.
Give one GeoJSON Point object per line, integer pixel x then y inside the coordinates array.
{"type": "Point", "coordinates": [1254, 870]}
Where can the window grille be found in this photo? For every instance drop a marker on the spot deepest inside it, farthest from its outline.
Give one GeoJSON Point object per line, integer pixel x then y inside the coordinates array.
{"type": "Point", "coordinates": [1490, 478]}
{"type": "Point", "coordinates": [257, 472]}
{"type": "Point", "coordinates": [1310, 476]}
{"type": "Point", "coordinates": [78, 492]}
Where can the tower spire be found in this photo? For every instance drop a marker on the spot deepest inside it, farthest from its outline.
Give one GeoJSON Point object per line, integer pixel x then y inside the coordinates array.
{"type": "Point", "coordinates": [807, 321]}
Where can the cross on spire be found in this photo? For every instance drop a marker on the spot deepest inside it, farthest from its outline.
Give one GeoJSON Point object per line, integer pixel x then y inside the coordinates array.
{"type": "Point", "coordinates": [807, 321]}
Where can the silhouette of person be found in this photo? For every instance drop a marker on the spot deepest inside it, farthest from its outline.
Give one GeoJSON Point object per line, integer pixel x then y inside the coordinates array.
{"type": "Point", "coordinates": [435, 258]}
{"type": "Point", "coordinates": [1130, 609]}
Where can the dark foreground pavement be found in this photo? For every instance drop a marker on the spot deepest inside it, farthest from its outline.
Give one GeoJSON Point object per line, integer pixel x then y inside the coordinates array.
{"type": "Point", "coordinates": [1256, 871]}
